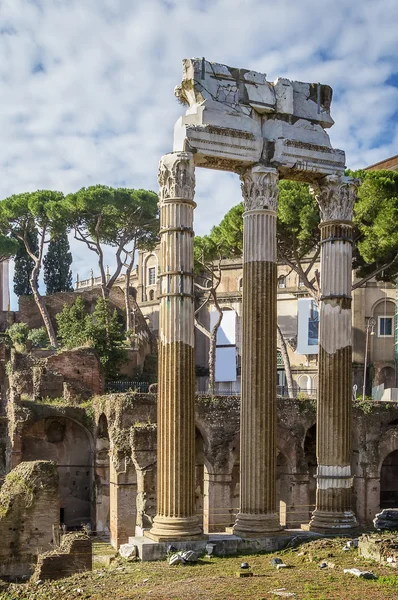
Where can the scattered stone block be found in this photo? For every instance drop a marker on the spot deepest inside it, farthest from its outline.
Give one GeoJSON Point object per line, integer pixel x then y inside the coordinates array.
{"type": "Point", "coordinates": [276, 561]}
{"type": "Point", "coordinates": [283, 593]}
{"type": "Point", "coordinates": [361, 574]}
{"type": "Point", "coordinates": [381, 549]}
{"type": "Point", "coordinates": [128, 551]}
{"type": "Point", "coordinates": [244, 573]}
{"type": "Point", "coordinates": [387, 519]}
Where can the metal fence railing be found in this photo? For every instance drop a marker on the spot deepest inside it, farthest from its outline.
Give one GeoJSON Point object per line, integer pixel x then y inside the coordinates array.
{"type": "Point", "coordinates": [126, 386]}
{"type": "Point", "coordinates": [281, 391]}
{"type": "Point", "coordinates": [143, 388]}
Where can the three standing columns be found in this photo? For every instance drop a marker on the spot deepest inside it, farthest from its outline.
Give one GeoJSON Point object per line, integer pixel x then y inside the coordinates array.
{"type": "Point", "coordinates": [176, 518]}
{"type": "Point", "coordinates": [258, 514]}
{"type": "Point", "coordinates": [333, 512]}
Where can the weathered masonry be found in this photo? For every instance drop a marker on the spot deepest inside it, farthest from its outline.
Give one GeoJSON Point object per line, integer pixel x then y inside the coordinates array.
{"type": "Point", "coordinates": [238, 121]}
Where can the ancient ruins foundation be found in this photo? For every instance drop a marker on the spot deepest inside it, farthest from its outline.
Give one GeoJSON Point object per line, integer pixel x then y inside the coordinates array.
{"type": "Point", "coordinates": [238, 121]}
{"type": "Point", "coordinates": [29, 507]}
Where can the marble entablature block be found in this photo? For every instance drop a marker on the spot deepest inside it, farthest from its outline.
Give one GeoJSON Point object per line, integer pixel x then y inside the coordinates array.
{"type": "Point", "coordinates": [236, 118]}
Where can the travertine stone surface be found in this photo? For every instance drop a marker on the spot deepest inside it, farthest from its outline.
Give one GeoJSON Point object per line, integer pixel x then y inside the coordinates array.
{"type": "Point", "coordinates": [175, 518]}
{"type": "Point", "coordinates": [236, 118]}
{"type": "Point", "coordinates": [333, 511]}
{"type": "Point", "coordinates": [258, 513]}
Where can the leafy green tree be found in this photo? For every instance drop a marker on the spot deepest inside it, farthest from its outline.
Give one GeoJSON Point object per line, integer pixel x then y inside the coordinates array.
{"type": "Point", "coordinates": [57, 263]}
{"type": "Point", "coordinates": [125, 219]}
{"type": "Point", "coordinates": [41, 213]}
{"type": "Point", "coordinates": [108, 346]}
{"type": "Point", "coordinates": [74, 325]}
{"type": "Point", "coordinates": [77, 328]}
{"type": "Point", "coordinates": [23, 265]}
{"type": "Point", "coordinates": [8, 247]}
{"type": "Point", "coordinates": [375, 230]}
{"type": "Point", "coordinates": [376, 219]}
{"type": "Point", "coordinates": [375, 251]}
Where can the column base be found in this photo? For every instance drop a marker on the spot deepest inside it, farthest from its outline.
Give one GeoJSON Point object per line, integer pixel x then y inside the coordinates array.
{"type": "Point", "coordinates": [168, 529]}
{"type": "Point", "coordinates": [250, 525]}
{"type": "Point", "coordinates": [329, 522]}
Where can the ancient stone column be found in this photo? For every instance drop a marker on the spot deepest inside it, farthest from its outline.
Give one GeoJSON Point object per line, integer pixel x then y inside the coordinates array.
{"type": "Point", "coordinates": [175, 518]}
{"type": "Point", "coordinates": [333, 512]}
{"type": "Point", "coordinates": [258, 512]}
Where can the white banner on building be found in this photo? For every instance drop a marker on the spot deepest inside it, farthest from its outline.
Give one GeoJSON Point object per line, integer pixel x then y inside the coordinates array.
{"type": "Point", "coordinates": [307, 327]}
{"type": "Point", "coordinates": [226, 364]}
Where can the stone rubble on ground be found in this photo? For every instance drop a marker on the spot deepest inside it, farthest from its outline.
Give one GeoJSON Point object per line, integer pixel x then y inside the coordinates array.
{"type": "Point", "coordinates": [362, 574]}
{"type": "Point", "coordinates": [183, 557]}
{"type": "Point", "coordinates": [276, 561]}
{"type": "Point", "coordinates": [128, 550]}
{"type": "Point", "coordinates": [282, 592]}
{"type": "Point", "coordinates": [386, 519]}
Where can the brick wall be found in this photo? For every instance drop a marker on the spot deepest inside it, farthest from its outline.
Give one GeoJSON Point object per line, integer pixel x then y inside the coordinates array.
{"type": "Point", "coordinates": [73, 556]}
{"type": "Point", "coordinates": [29, 507]}
{"type": "Point", "coordinates": [75, 373]}
{"type": "Point", "coordinates": [80, 367]}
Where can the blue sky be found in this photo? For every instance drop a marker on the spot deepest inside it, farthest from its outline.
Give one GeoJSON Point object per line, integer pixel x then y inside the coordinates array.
{"type": "Point", "coordinates": [87, 85]}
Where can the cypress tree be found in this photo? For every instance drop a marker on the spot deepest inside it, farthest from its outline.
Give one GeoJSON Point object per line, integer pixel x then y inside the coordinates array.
{"type": "Point", "coordinates": [24, 265]}
{"type": "Point", "coordinates": [57, 262]}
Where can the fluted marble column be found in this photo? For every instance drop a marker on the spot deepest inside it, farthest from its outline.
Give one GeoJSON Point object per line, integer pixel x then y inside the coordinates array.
{"type": "Point", "coordinates": [175, 518]}
{"type": "Point", "coordinates": [258, 514]}
{"type": "Point", "coordinates": [335, 196]}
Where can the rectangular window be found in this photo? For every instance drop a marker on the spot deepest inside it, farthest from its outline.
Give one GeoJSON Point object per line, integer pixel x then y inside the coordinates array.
{"type": "Point", "coordinates": [151, 275]}
{"type": "Point", "coordinates": [385, 327]}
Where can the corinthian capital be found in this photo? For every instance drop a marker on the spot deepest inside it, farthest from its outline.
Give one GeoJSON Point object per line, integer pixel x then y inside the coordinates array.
{"type": "Point", "coordinates": [335, 196]}
{"type": "Point", "coordinates": [260, 188]}
{"type": "Point", "coordinates": [176, 176]}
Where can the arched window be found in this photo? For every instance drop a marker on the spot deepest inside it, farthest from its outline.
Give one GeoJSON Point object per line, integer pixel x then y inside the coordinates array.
{"type": "Point", "coordinates": [304, 382]}
{"type": "Point", "coordinates": [282, 281]}
{"type": "Point", "coordinates": [389, 481]}
{"type": "Point", "coordinates": [151, 275]}
{"type": "Point", "coordinates": [151, 295]}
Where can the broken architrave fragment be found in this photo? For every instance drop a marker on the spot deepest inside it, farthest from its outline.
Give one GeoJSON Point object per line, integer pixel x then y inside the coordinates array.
{"type": "Point", "coordinates": [236, 118]}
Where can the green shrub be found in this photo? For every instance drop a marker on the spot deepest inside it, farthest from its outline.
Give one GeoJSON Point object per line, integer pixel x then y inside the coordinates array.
{"type": "Point", "coordinates": [18, 334]}
{"type": "Point", "coordinates": [39, 338]}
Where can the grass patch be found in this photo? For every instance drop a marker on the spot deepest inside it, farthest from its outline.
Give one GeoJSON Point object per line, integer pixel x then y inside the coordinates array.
{"type": "Point", "coordinates": [215, 578]}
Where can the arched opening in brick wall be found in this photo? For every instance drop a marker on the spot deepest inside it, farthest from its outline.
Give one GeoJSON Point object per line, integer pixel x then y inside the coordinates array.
{"type": "Point", "coordinates": [387, 377]}
{"type": "Point", "coordinates": [69, 444]}
{"type": "Point", "coordinates": [389, 481]}
{"type": "Point", "coordinates": [310, 457]}
{"type": "Point", "coordinates": [283, 488]}
{"type": "Point", "coordinates": [102, 476]}
{"type": "Point", "coordinates": [199, 475]}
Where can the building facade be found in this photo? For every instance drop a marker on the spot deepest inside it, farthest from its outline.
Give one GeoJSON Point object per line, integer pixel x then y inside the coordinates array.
{"type": "Point", "coordinates": [374, 308]}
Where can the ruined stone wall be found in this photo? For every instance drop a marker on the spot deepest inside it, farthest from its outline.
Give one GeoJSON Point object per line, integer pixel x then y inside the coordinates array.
{"type": "Point", "coordinates": [73, 556]}
{"type": "Point", "coordinates": [125, 431]}
{"type": "Point", "coordinates": [73, 374]}
{"type": "Point", "coordinates": [374, 435]}
{"type": "Point", "coordinates": [79, 367]}
{"type": "Point", "coordinates": [29, 507]}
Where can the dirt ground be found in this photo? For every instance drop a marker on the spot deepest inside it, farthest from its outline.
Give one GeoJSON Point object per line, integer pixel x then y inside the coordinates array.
{"type": "Point", "coordinates": [215, 579]}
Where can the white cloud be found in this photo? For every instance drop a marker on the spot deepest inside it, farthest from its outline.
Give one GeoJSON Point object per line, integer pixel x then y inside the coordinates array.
{"type": "Point", "coordinates": [87, 87]}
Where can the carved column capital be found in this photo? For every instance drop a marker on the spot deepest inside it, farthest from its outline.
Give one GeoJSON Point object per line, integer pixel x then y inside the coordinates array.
{"type": "Point", "coordinates": [176, 176]}
{"type": "Point", "coordinates": [335, 196]}
{"type": "Point", "coordinates": [260, 188]}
